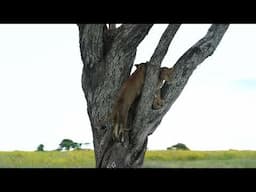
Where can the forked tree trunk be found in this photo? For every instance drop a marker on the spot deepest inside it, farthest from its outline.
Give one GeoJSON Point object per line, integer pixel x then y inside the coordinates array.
{"type": "Point", "coordinates": [108, 56]}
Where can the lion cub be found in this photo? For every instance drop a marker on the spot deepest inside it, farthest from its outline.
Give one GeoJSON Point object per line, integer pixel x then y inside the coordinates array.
{"type": "Point", "coordinates": [129, 91]}
{"type": "Point", "coordinates": [165, 75]}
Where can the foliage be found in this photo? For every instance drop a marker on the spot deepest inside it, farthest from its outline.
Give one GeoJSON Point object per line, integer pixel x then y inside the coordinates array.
{"type": "Point", "coordinates": [178, 146]}
{"type": "Point", "coordinates": [40, 147]}
{"type": "Point", "coordinates": [69, 144]}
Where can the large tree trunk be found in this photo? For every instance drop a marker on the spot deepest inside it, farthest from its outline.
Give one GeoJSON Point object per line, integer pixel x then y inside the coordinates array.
{"type": "Point", "coordinates": [108, 56]}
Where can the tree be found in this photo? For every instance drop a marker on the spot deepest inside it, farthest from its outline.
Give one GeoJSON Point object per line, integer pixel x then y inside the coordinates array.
{"type": "Point", "coordinates": [66, 144]}
{"type": "Point", "coordinates": [76, 146]}
{"type": "Point", "coordinates": [108, 56]}
{"type": "Point", "coordinates": [69, 144]}
{"type": "Point", "coordinates": [40, 147]}
{"type": "Point", "coordinates": [178, 146]}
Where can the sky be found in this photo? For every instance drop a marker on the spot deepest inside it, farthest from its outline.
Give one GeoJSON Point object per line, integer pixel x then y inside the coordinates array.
{"type": "Point", "coordinates": [42, 102]}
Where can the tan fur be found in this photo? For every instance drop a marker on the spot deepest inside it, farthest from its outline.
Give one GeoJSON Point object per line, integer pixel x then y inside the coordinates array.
{"type": "Point", "coordinates": [129, 91]}
{"type": "Point", "coordinates": [165, 75]}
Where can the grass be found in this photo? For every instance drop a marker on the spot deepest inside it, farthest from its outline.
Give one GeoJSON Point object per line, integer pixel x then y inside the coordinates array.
{"type": "Point", "coordinates": [200, 159]}
{"type": "Point", "coordinates": [51, 159]}
{"type": "Point", "coordinates": [153, 159]}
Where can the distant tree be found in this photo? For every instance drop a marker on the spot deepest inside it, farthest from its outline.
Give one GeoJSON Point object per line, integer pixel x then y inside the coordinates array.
{"type": "Point", "coordinates": [76, 146]}
{"type": "Point", "coordinates": [69, 144]}
{"type": "Point", "coordinates": [40, 147]}
{"type": "Point", "coordinates": [178, 146]}
{"type": "Point", "coordinates": [66, 144]}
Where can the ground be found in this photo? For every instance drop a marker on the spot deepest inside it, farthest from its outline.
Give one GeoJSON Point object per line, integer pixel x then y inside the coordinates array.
{"type": "Point", "coordinates": [153, 159]}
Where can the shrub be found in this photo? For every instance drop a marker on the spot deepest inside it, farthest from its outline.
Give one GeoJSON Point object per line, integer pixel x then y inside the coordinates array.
{"type": "Point", "coordinates": [40, 147]}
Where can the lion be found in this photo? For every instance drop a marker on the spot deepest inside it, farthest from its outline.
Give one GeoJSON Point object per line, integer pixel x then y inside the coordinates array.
{"type": "Point", "coordinates": [129, 91]}
{"type": "Point", "coordinates": [164, 75]}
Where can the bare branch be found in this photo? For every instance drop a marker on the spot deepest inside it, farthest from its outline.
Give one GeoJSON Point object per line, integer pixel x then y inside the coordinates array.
{"type": "Point", "coordinates": [163, 44]}
{"type": "Point", "coordinates": [91, 49]}
{"type": "Point", "coordinates": [130, 36]}
{"type": "Point", "coordinates": [185, 66]}
{"type": "Point", "coordinates": [152, 73]}
{"type": "Point", "coordinates": [91, 37]}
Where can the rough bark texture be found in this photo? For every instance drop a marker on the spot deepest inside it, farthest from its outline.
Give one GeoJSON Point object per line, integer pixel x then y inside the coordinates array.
{"type": "Point", "coordinates": [108, 56]}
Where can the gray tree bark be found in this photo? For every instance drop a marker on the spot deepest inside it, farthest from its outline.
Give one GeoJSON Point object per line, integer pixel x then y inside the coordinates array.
{"type": "Point", "coordinates": [108, 56]}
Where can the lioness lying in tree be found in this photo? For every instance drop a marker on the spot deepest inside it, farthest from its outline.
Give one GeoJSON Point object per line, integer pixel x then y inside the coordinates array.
{"type": "Point", "coordinates": [165, 75]}
{"type": "Point", "coordinates": [129, 91]}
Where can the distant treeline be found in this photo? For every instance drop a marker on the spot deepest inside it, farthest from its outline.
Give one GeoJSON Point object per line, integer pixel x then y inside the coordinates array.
{"type": "Point", "coordinates": [68, 144]}
{"type": "Point", "coordinates": [65, 144]}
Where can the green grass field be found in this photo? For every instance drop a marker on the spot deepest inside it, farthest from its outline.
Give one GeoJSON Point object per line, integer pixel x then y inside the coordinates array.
{"type": "Point", "coordinates": [153, 159]}
{"type": "Point", "coordinates": [200, 159]}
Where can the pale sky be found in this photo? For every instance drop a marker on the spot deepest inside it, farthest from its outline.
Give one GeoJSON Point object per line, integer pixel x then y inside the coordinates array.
{"type": "Point", "coordinates": [42, 102]}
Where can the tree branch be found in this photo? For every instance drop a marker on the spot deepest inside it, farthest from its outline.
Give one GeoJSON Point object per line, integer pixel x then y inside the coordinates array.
{"type": "Point", "coordinates": [185, 66]}
{"type": "Point", "coordinates": [130, 36]}
{"type": "Point", "coordinates": [163, 45]}
{"type": "Point", "coordinates": [91, 37]}
{"type": "Point", "coordinates": [91, 49]}
{"type": "Point", "coordinates": [151, 77]}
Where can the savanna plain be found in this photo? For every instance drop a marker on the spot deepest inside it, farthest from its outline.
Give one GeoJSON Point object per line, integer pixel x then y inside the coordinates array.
{"type": "Point", "coordinates": [153, 159]}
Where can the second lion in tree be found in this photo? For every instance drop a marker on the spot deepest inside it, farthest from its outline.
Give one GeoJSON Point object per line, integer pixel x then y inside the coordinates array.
{"type": "Point", "coordinates": [165, 75]}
